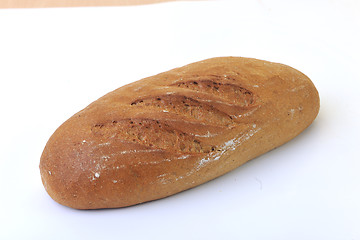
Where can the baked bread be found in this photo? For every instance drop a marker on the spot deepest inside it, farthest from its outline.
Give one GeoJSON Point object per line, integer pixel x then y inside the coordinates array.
{"type": "Point", "coordinates": [174, 131]}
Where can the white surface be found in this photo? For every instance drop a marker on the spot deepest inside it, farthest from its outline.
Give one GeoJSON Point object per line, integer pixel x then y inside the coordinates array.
{"type": "Point", "coordinates": [53, 62]}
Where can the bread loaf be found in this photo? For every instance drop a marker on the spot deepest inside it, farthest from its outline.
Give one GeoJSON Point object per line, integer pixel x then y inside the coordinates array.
{"type": "Point", "coordinates": [174, 131]}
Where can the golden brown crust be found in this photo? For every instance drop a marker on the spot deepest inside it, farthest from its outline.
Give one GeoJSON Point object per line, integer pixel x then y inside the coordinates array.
{"type": "Point", "coordinates": [175, 130]}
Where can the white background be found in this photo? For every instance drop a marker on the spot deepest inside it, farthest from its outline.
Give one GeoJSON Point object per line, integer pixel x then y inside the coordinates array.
{"type": "Point", "coordinates": [53, 62]}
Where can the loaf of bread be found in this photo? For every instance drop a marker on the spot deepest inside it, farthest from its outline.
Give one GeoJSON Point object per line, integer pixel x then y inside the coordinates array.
{"type": "Point", "coordinates": [174, 131]}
